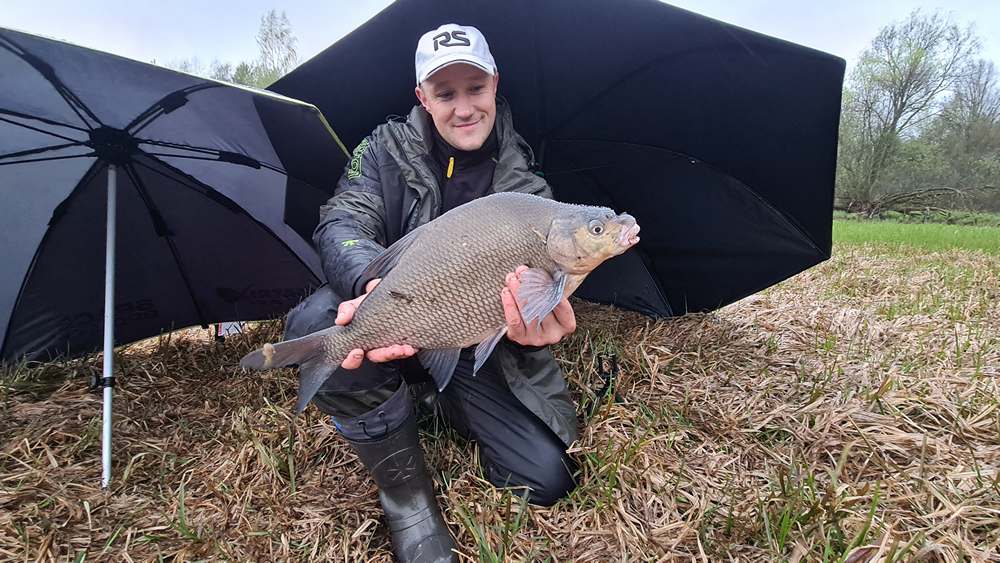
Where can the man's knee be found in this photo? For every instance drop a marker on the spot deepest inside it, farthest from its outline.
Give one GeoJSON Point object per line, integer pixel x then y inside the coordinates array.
{"type": "Point", "coordinates": [557, 481]}
{"type": "Point", "coordinates": [316, 312]}
{"type": "Point", "coordinates": [348, 393]}
{"type": "Point", "coordinates": [550, 477]}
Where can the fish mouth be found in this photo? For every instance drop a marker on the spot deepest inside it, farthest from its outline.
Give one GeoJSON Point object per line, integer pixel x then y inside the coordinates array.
{"type": "Point", "coordinates": [628, 236]}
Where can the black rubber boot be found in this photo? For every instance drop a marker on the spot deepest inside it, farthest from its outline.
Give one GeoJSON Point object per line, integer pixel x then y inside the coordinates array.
{"type": "Point", "coordinates": [396, 462]}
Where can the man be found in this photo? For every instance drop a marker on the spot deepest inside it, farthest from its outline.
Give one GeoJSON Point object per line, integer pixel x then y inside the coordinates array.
{"type": "Point", "coordinates": [456, 145]}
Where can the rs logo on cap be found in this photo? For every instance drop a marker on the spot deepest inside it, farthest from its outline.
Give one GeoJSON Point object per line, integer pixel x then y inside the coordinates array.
{"type": "Point", "coordinates": [453, 39]}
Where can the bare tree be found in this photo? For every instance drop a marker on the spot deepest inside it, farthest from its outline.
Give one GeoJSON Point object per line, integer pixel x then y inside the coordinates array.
{"type": "Point", "coordinates": [974, 108]}
{"type": "Point", "coordinates": [277, 56]}
{"type": "Point", "coordinates": [968, 135]}
{"type": "Point", "coordinates": [277, 47]}
{"type": "Point", "coordinates": [899, 83]}
{"type": "Point", "coordinates": [189, 66]}
{"type": "Point", "coordinates": [221, 71]}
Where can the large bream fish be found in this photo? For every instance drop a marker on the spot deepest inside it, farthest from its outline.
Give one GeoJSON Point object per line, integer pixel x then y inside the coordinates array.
{"type": "Point", "coordinates": [441, 284]}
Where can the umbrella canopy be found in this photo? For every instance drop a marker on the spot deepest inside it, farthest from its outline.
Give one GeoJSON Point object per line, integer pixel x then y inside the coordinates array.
{"type": "Point", "coordinates": [218, 189]}
{"type": "Point", "coordinates": [720, 141]}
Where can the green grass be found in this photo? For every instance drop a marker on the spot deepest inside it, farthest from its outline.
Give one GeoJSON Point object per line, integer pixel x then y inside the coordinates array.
{"type": "Point", "coordinates": [949, 217]}
{"type": "Point", "coordinates": [930, 236]}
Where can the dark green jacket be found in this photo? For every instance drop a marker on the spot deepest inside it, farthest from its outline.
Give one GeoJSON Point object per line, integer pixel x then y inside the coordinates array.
{"type": "Point", "coordinates": [389, 189]}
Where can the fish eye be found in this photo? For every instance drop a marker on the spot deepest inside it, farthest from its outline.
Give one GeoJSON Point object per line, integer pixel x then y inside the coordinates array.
{"type": "Point", "coordinates": [596, 227]}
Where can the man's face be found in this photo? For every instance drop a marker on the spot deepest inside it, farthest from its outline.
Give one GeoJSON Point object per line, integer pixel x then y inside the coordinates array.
{"type": "Point", "coordinates": [462, 101]}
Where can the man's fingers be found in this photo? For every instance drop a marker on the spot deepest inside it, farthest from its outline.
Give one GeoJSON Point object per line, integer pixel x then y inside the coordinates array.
{"type": "Point", "coordinates": [514, 285]}
{"type": "Point", "coordinates": [354, 359]}
{"type": "Point", "coordinates": [378, 355]}
{"type": "Point", "coordinates": [515, 328]}
{"type": "Point", "coordinates": [390, 353]}
{"type": "Point", "coordinates": [550, 331]}
{"type": "Point", "coordinates": [513, 282]}
{"type": "Point", "coordinates": [565, 316]}
{"type": "Point", "coordinates": [345, 312]}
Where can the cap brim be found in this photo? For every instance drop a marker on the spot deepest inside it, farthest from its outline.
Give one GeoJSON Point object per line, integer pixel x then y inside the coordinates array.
{"type": "Point", "coordinates": [485, 66]}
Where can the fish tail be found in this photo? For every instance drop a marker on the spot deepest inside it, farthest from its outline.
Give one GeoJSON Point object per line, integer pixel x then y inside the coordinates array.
{"type": "Point", "coordinates": [287, 353]}
{"type": "Point", "coordinates": [311, 353]}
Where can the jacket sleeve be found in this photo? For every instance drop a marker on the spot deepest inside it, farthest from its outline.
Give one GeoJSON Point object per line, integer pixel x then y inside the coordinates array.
{"type": "Point", "coordinates": [351, 229]}
{"type": "Point", "coordinates": [523, 172]}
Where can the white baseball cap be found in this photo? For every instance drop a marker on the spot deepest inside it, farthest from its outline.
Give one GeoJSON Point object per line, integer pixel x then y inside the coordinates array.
{"type": "Point", "coordinates": [449, 44]}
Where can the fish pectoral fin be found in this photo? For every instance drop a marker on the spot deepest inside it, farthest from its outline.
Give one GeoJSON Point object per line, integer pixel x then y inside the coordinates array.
{"type": "Point", "coordinates": [312, 375]}
{"type": "Point", "coordinates": [486, 347]}
{"type": "Point", "coordinates": [441, 363]}
{"type": "Point", "coordinates": [389, 257]}
{"type": "Point", "coordinates": [539, 293]}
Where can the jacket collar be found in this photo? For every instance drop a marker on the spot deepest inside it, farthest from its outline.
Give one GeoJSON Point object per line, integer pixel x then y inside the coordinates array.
{"type": "Point", "coordinates": [409, 143]}
{"type": "Point", "coordinates": [442, 151]}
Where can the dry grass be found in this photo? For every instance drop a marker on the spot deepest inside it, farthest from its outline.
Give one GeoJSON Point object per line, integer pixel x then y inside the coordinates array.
{"type": "Point", "coordinates": [849, 413]}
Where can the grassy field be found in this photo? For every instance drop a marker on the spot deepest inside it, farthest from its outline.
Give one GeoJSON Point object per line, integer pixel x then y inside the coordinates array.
{"type": "Point", "coordinates": [851, 413]}
{"type": "Point", "coordinates": [931, 236]}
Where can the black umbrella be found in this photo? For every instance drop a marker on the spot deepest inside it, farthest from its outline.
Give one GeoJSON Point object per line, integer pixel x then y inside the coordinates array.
{"type": "Point", "coordinates": [720, 141]}
{"type": "Point", "coordinates": [209, 204]}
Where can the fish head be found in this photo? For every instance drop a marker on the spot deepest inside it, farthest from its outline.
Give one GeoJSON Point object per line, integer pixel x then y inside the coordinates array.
{"type": "Point", "coordinates": [582, 237]}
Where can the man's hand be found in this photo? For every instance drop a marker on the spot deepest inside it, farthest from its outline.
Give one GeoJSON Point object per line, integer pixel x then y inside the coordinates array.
{"type": "Point", "coordinates": [557, 324]}
{"type": "Point", "coordinates": [345, 312]}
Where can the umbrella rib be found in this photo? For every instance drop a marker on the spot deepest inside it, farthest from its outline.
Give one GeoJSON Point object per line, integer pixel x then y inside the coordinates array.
{"type": "Point", "coordinates": [46, 159]}
{"type": "Point", "coordinates": [40, 150]}
{"type": "Point", "coordinates": [42, 119]}
{"type": "Point", "coordinates": [35, 62]}
{"type": "Point", "coordinates": [43, 131]}
{"type": "Point", "coordinates": [157, 217]}
{"type": "Point", "coordinates": [49, 74]}
{"type": "Point", "coordinates": [639, 253]}
{"type": "Point", "coordinates": [220, 198]}
{"type": "Point", "coordinates": [178, 146]}
{"type": "Point", "coordinates": [191, 184]}
{"type": "Point", "coordinates": [161, 107]}
{"type": "Point", "coordinates": [73, 102]}
{"type": "Point", "coordinates": [204, 150]}
{"type": "Point", "coordinates": [56, 214]}
{"type": "Point", "coordinates": [790, 221]}
{"type": "Point", "coordinates": [192, 157]}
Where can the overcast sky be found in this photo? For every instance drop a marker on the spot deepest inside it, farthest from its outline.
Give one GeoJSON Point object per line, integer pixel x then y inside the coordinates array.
{"type": "Point", "coordinates": [176, 30]}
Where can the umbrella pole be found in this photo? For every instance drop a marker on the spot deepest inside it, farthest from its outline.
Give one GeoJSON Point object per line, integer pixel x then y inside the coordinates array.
{"type": "Point", "coordinates": [108, 381]}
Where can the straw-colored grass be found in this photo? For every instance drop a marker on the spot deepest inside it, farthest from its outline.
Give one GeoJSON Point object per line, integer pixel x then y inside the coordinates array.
{"type": "Point", "coordinates": [848, 413]}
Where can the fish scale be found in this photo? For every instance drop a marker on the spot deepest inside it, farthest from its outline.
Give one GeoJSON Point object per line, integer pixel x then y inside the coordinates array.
{"type": "Point", "coordinates": [446, 252]}
{"type": "Point", "coordinates": [442, 289]}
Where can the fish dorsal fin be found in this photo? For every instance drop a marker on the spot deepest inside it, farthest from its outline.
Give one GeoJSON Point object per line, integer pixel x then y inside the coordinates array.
{"type": "Point", "coordinates": [389, 257]}
{"type": "Point", "coordinates": [486, 347]}
{"type": "Point", "coordinates": [539, 293]}
{"type": "Point", "coordinates": [441, 363]}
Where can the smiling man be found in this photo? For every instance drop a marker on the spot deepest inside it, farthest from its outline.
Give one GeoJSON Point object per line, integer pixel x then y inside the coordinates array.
{"type": "Point", "coordinates": [456, 145]}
